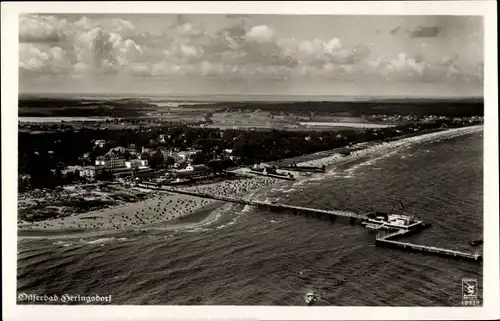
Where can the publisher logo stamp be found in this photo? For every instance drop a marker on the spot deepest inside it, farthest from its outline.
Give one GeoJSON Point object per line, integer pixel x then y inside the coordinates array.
{"type": "Point", "coordinates": [469, 292]}
{"type": "Point", "coordinates": [469, 288]}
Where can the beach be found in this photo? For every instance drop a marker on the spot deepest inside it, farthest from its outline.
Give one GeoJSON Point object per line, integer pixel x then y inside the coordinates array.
{"type": "Point", "coordinates": [159, 209]}
{"type": "Point", "coordinates": [384, 147]}
{"type": "Point", "coordinates": [174, 211]}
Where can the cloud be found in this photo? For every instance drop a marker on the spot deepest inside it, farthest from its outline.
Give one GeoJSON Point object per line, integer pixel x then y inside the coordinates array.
{"type": "Point", "coordinates": [43, 59]}
{"type": "Point", "coordinates": [425, 32]}
{"type": "Point", "coordinates": [121, 26]}
{"type": "Point", "coordinates": [41, 29]}
{"type": "Point", "coordinates": [84, 23]}
{"type": "Point", "coordinates": [86, 48]}
{"type": "Point", "coordinates": [83, 46]}
{"type": "Point", "coordinates": [321, 52]}
{"type": "Point", "coordinates": [405, 64]}
{"type": "Point", "coordinates": [447, 60]}
{"type": "Point", "coordinates": [395, 30]}
{"type": "Point", "coordinates": [94, 51]}
{"type": "Point", "coordinates": [415, 67]}
{"type": "Point", "coordinates": [261, 34]}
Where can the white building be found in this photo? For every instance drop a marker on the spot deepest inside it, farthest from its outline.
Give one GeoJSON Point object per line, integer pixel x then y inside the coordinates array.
{"type": "Point", "coordinates": [190, 169]}
{"type": "Point", "coordinates": [89, 171]}
{"type": "Point", "coordinates": [118, 149]}
{"type": "Point", "coordinates": [100, 142]}
{"type": "Point", "coordinates": [72, 169]}
{"type": "Point", "coordinates": [110, 161]}
{"type": "Point", "coordinates": [136, 163]}
{"type": "Point", "coordinates": [186, 155]}
{"type": "Point", "coordinates": [146, 150]}
{"type": "Point", "coordinates": [166, 152]}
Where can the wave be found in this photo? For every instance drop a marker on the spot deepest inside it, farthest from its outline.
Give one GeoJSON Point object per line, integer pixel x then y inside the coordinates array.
{"type": "Point", "coordinates": [227, 224]}
{"type": "Point", "coordinates": [299, 183]}
{"type": "Point", "coordinates": [63, 243]}
{"type": "Point", "coordinates": [66, 243]}
{"type": "Point", "coordinates": [247, 208]}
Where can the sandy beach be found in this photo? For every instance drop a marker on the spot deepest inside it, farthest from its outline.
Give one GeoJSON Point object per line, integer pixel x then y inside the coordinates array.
{"type": "Point", "coordinates": [172, 211]}
{"type": "Point", "coordinates": [158, 209]}
{"type": "Point", "coordinates": [390, 146]}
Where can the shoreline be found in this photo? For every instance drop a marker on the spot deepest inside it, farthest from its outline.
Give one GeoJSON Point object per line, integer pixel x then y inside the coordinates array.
{"type": "Point", "coordinates": [164, 212]}
{"type": "Point", "coordinates": [201, 211]}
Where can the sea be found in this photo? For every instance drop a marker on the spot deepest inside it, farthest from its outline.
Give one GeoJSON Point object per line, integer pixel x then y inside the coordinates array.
{"type": "Point", "coordinates": [254, 257]}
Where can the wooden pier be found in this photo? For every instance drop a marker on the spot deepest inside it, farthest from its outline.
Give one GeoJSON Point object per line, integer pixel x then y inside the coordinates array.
{"type": "Point", "coordinates": [388, 241]}
{"type": "Point", "coordinates": [274, 207]}
{"type": "Point", "coordinates": [279, 176]}
{"type": "Point", "coordinates": [303, 169]}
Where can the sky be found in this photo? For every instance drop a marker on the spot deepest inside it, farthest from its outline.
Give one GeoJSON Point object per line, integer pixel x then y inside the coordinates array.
{"type": "Point", "coordinates": [175, 54]}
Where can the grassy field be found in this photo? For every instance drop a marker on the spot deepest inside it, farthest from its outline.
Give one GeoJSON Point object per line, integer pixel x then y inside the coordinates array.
{"type": "Point", "coordinates": [264, 119]}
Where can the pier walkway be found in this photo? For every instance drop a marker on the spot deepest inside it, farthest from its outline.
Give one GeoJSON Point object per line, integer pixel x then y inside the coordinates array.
{"type": "Point", "coordinates": [311, 169]}
{"type": "Point", "coordinates": [278, 176]}
{"type": "Point", "coordinates": [266, 205]}
{"type": "Point", "coordinates": [388, 241]}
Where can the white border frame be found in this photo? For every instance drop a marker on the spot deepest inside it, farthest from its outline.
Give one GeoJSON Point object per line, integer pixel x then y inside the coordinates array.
{"type": "Point", "coordinates": [9, 38]}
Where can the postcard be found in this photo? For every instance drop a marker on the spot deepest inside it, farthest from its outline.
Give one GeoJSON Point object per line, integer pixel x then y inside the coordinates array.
{"type": "Point", "coordinates": [250, 160]}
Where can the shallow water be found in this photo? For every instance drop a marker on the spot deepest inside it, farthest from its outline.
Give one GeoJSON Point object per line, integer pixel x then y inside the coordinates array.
{"type": "Point", "coordinates": [253, 257]}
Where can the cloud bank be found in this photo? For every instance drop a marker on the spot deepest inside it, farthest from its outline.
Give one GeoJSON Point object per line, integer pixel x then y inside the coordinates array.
{"type": "Point", "coordinates": [55, 46]}
{"type": "Point", "coordinates": [425, 32]}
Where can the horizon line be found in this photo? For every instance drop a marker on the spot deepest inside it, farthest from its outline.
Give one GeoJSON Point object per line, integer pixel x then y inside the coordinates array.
{"type": "Point", "coordinates": [252, 94]}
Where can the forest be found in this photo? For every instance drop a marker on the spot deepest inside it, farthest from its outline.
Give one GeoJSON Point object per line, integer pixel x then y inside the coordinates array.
{"type": "Point", "coordinates": [70, 107]}
{"type": "Point", "coordinates": [449, 108]}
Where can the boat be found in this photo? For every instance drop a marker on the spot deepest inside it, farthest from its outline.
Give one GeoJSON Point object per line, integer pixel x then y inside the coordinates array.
{"type": "Point", "coordinates": [310, 298]}
{"type": "Point", "coordinates": [476, 242]}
